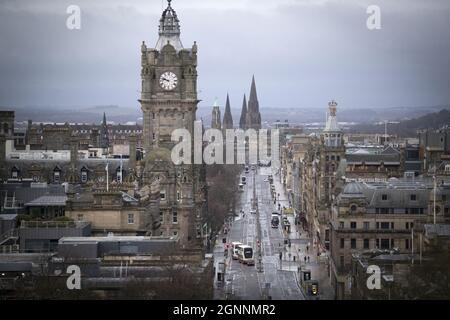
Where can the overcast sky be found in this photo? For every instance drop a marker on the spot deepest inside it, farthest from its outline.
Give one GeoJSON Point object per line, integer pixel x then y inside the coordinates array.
{"type": "Point", "coordinates": [303, 52]}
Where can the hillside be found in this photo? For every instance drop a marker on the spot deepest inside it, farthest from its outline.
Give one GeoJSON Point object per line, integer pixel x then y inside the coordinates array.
{"type": "Point", "coordinates": [409, 128]}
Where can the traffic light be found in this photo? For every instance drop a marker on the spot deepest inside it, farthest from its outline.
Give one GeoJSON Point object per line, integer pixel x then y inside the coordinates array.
{"type": "Point", "coordinates": [314, 289]}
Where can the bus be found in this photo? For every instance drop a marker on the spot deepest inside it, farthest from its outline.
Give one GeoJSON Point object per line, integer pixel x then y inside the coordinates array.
{"type": "Point", "coordinates": [234, 249]}
{"type": "Point", "coordinates": [245, 255]}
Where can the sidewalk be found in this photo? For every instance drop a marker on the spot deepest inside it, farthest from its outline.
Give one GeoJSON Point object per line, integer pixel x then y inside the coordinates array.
{"type": "Point", "coordinates": [302, 246]}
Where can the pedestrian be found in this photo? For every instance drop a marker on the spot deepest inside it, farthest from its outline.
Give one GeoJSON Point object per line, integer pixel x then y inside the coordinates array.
{"type": "Point", "coordinates": [308, 259]}
{"type": "Point", "coordinates": [307, 248]}
{"type": "Point", "coordinates": [304, 259]}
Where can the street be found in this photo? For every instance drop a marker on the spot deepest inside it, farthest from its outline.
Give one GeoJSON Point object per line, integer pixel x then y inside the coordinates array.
{"type": "Point", "coordinates": [277, 279]}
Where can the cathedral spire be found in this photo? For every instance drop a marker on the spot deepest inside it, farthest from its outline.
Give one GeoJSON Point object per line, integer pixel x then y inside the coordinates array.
{"type": "Point", "coordinates": [253, 116]}
{"type": "Point", "coordinates": [227, 117]}
{"type": "Point", "coordinates": [242, 121]}
{"type": "Point", "coordinates": [169, 29]}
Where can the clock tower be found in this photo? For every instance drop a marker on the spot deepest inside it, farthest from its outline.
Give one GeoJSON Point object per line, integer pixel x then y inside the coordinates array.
{"type": "Point", "coordinates": [169, 84]}
{"type": "Point", "coordinates": [169, 101]}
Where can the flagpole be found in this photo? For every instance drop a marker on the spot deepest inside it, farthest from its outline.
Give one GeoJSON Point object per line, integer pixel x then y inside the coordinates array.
{"type": "Point", "coordinates": [107, 173]}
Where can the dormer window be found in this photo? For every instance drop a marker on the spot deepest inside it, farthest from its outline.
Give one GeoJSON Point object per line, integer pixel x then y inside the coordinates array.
{"type": "Point", "coordinates": [84, 175]}
{"type": "Point", "coordinates": [384, 197]}
{"type": "Point", "coordinates": [413, 197]}
{"type": "Point", "coordinates": [56, 175]}
{"type": "Point", "coordinates": [15, 173]}
{"type": "Point", "coordinates": [447, 168]}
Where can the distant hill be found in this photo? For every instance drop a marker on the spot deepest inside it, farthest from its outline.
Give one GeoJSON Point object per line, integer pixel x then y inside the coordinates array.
{"type": "Point", "coordinates": [409, 128]}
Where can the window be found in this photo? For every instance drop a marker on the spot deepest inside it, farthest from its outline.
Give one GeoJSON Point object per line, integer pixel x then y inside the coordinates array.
{"type": "Point", "coordinates": [413, 197]}
{"type": "Point", "coordinates": [353, 225]}
{"type": "Point", "coordinates": [377, 241]}
{"type": "Point", "coordinates": [342, 261]}
{"type": "Point", "coordinates": [342, 243]}
{"type": "Point", "coordinates": [162, 195]}
{"type": "Point", "coordinates": [174, 217]}
{"type": "Point", "coordinates": [385, 244]}
{"type": "Point", "coordinates": [353, 243]}
{"type": "Point", "coordinates": [56, 176]}
{"type": "Point", "coordinates": [130, 218]}
{"type": "Point", "coordinates": [341, 224]}
{"type": "Point", "coordinates": [84, 176]}
{"type": "Point", "coordinates": [178, 196]}
{"type": "Point", "coordinates": [392, 226]}
{"type": "Point", "coordinates": [161, 216]}
{"type": "Point", "coordinates": [366, 225]}
{"type": "Point", "coordinates": [384, 225]}
{"type": "Point", "coordinates": [14, 174]}
{"type": "Point", "coordinates": [447, 168]}
{"type": "Point", "coordinates": [406, 243]}
{"type": "Point", "coordinates": [366, 244]}
{"type": "Point", "coordinates": [392, 243]}
{"type": "Point", "coordinates": [338, 158]}
{"type": "Point", "coordinates": [175, 233]}
{"type": "Point", "coordinates": [384, 197]}
{"type": "Point", "coordinates": [407, 225]}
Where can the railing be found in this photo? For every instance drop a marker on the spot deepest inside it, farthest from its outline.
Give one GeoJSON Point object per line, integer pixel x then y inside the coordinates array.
{"type": "Point", "coordinates": [8, 234]}
{"type": "Point", "coordinates": [53, 224]}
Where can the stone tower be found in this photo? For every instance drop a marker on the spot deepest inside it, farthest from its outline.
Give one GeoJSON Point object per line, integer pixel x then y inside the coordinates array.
{"type": "Point", "coordinates": [243, 119]}
{"type": "Point", "coordinates": [332, 152]}
{"type": "Point", "coordinates": [216, 120]}
{"type": "Point", "coordinates": [253, 118]}
{"type": "Point", "coordinates": [169, 101]}
{"type": "Point", "coordinates": [227, 117]}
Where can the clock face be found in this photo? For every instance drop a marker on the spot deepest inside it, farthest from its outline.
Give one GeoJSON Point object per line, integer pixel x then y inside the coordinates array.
{"type": "Point", "coordinates": [168, 80]}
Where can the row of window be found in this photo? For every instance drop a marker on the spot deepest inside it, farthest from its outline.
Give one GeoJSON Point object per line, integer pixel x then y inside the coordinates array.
{"type": "Point", "coordinates": [383, 225]}
{"type": "Point", "coordinates": [399, 210]}
{"type": "Point", "coordinates": [412, 197]}
{"type": "Point", "coordinates": [379, 243]}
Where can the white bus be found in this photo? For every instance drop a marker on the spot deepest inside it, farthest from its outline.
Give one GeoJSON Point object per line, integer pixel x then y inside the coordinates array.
{"type": "Point", "coordinates": [234, 249]}
{"type": "Point", "coordinates": [245, 255]}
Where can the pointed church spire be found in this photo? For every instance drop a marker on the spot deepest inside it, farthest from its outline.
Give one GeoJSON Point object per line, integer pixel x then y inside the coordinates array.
{"type": "Point", "coordinates": [227, 117]}
{"type": "Point", "coordinates": [253, 95]}
{"type": "Point", "coordinates": [253, 118]}
{"type": "Point", "coordinates": [242, 121]}
{"type": "Point", "coordinates": [104, 139]}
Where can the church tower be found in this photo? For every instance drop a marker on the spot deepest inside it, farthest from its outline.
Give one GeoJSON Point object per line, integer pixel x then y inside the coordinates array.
{"type": "Point", "coordinates": [169, 101]}
{"type": "Point", "coordinates": [227, 117]}
{"type": "Point", "coordinates": [216, 120]}
{"type": "Point", "coordinates": [253, 117]}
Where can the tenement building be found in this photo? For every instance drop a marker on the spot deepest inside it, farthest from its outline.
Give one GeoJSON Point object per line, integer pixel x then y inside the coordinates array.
{"type": "Point", "coordinates": [321, 171]}
{"type": "Point", "coordinates": [380, 216]}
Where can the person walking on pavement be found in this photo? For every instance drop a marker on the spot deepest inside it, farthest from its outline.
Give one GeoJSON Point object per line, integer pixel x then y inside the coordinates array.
{"type": "Point", "coordinates": [304, 259]}
{"type": "Point", "coordinates": [308, 259]}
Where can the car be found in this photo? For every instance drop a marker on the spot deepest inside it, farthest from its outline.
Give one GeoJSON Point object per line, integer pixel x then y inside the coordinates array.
{"type": "Point", "coordinates": [253, 211]}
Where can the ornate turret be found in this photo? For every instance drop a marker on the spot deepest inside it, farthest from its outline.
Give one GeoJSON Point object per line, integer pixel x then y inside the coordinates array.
{"type": "Point", "coordinates": [332, 134]}
{"type": "Point", "coordinates": [169, 29]}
